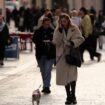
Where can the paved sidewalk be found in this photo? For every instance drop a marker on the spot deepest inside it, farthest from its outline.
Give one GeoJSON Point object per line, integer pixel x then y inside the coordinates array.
{"type": "Point", "coordinates": [13, 66]}
{"type": "Point", "coordinates": [22, 77]}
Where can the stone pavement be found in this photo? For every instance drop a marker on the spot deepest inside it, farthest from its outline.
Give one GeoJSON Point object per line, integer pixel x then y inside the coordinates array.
{"type": "Point", "coordinates": [18, 79]}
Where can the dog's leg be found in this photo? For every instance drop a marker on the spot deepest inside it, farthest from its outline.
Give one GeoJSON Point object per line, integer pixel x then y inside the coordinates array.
{"type": "Point", "coordinates": [32, 101]}
{"type": "Point", "coordinates": [38, 102]}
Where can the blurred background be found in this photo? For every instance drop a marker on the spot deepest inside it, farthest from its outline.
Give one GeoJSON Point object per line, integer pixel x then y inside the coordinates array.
{"type": "Point", "coordinates": [49, 4]}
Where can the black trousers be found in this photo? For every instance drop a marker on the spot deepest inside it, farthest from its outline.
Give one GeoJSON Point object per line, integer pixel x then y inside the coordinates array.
{"type": "Point", "coordinates": [93, 47]}
{"type": "Point", "coordinates": [90, 45]}
{"type": "Point", "coordinates": [2, 52]}
{"type": "Point", "coordinates": [86, 45]}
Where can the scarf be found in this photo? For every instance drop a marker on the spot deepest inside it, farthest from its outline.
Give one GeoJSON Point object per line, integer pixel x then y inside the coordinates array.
{"type": "Point", "coordinates": [2, 26]}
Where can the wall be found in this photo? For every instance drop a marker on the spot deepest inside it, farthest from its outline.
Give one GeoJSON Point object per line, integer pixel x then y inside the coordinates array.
{"type": "Point", "coordinates": [88, 3]}
{"type": "Point", "coordinates": [2, 6]}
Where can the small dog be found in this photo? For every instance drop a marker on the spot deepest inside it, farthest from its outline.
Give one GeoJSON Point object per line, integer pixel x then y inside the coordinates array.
{"type": "Point", "coordinates": [36, 96]}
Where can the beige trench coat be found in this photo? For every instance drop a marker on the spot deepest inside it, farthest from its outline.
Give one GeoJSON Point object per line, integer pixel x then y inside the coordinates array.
{"type": "Point", "coordinates": [66, 73]}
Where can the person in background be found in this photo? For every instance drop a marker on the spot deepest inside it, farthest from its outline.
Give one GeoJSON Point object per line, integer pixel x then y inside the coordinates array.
{"type": "Point", "coordinates": [8, 16]}
{"type": "Point", "coordinates": [50, 16]}
{"type": "Point", "coordinates": [75, 18]}
{"type": "Point", "coordinates": [66, 74]}
{"type": "Point", "coordinates": [21, 26]}
{"type": "Point", "coordinates": [57, 13]}
{"type": "Point", "coordinates": [45, 52]}
{"type": "Point", "coordinates": [37, 14]}
{"type": "Point", "coordinates": [99, 22]}
{"type": "Point", "coordinates": [29, 20]}
{"type": "Point", "coordinates": [86, 29]}
{"type": "Point", "coordinates": [15, 17]}
{"type": "Point", "coordinates": [94, 36]}
{"type": "Point", "coordinates": [103, 28]}
{"type": "Point", "coordinates": [46, 12]}
{"type": "Point", "coordinates": [4, 36]}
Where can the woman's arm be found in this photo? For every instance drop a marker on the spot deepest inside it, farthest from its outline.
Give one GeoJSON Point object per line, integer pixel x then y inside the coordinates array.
{"type": "Point", "coordinates": [77, 39]}
{"type": "Point", "coordinates": [57, 38]}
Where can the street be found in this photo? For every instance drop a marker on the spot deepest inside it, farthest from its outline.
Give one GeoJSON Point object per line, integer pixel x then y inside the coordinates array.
{"type": "Point", "coordinates": [46, 26]}
{"type": "Point", "coordinates": [18, 79]}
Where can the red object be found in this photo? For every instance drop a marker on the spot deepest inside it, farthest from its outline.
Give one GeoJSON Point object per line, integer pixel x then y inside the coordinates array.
{"type": "Point", "coordinates": [24, 38]}
{"type": "Point", "coordinates": [13, 0]}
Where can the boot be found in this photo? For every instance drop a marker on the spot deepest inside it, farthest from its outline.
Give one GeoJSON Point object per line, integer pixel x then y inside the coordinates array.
{"type": "Point", "coordinates": [99, 58]}
{"type": "Point", "coordinates": [1, 63]}
{"type": "Point", "coordinates": [73, 97]}
{"type": "Point", "coordinates": [68, 99]}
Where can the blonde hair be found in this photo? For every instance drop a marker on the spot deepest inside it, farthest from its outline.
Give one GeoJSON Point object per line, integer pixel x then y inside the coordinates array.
{"type": "Point", "coordinates": [66, 16]}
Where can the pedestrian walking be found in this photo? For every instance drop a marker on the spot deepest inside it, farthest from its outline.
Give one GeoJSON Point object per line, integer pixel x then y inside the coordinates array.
{"type": "Point", "coordinates": [75, 18]}
{"type": "Point", "coordinates": [66, 74]}
{"type": "Point", "coordinates": [46, 12]}
{"type": "Point", "coordinates": [45, 52]}
{"type": "Point", "coordinates": [21, 25]}
{"type": "Point", "coordinates": [99, 22]}
{"type": "Point", "coordinates": [28, 20]}
{"type": "Point", "coordinates": [86, 29]}
{"type": "Point", "coordinates": [4, 36]}
{"type": "Point", "coordinates": [94, 37]}
{"type": "Point", "coordinates": [15, 17]}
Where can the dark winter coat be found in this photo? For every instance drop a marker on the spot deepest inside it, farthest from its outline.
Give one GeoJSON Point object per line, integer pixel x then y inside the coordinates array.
{"type": "Point", "coordinates": [4, 35]}
{"type": "Point", "coordinates": [44, 49]}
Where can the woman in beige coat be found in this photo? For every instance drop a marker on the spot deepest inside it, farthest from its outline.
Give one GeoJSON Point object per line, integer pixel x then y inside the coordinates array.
{"type": "Point", "coordinates": [66, 35]}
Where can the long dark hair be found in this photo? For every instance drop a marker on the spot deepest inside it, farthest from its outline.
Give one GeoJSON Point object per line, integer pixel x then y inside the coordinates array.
{"type": "Point", "coordinates": [84, 10]}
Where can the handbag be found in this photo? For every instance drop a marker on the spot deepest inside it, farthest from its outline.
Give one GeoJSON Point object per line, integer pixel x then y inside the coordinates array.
{"type": "Point", "coordinates": [74, 57]}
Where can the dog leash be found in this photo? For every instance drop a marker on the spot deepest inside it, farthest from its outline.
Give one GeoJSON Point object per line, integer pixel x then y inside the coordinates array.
{"type": "Point", "coordinates": [56, 61]}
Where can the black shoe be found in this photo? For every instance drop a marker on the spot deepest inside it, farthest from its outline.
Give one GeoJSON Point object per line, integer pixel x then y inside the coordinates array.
{"type": "Point", "coordinates": [73, 98]}
{"type": "Point", "coordinates": [100, 47]}
{"type": "Point", "coordinates": [68, 101]}
{"type": "Point", "coordinates": [2, 64]}
{"type": "Point", "coordinates": [99, 58]}
{"type": "Point", "coordinates": [82, 60]}
{"type": "Point", "coordinates": [92, 58]}
{"type": "Point", "coordinates": [74, 101]}
{"type": "Point", "coordinates": [46, 90]}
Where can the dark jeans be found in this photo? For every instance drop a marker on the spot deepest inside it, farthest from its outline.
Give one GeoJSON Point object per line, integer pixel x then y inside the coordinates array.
{"type": "Point", "coordinates": [45, 68]}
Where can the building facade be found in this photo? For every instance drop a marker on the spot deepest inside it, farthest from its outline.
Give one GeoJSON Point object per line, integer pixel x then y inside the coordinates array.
{"type": "Point", "coordinates": [2, 6]}
{"type": "Point", "coordinates": [77, 4]}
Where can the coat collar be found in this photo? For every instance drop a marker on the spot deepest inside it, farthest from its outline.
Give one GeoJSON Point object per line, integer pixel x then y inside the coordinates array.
{"type": "Point", "coordinates": [70, 33]}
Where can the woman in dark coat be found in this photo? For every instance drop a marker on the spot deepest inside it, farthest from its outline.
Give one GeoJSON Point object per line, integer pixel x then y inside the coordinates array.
{"type": "Point", "coordinates": [45, 52]}
{"type": "Point", "coordinates": [4, 35]}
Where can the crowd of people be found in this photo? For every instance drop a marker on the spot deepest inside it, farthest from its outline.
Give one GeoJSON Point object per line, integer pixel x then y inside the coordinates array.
{"type": "Point", "coordinates": [30, 18]}
{"type": "Point", "coordinates": [54, 36]}
{"type": "Point", "coordinates": [55, 32]}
